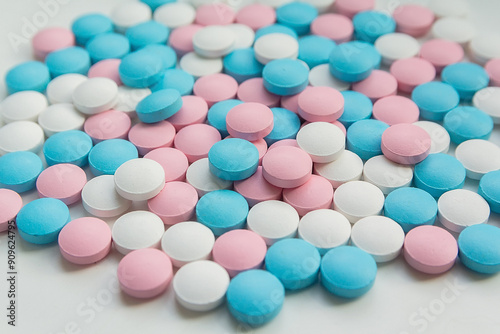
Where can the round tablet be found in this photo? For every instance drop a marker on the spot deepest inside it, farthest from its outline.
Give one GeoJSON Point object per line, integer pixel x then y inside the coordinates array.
{"type": "Point", "coordinates": [60, 117]}
{"type": "Point", "coordinates": [111, 124]}
{"type": "Point", "coordinates": [324, 142]}
{"type": "Point", "coordinates": [253, 90]}
{"type": "Point", "coordinates": [214, 41]}
{"type": "Point", "coordinates": [41, 220]}
{"type": "Point", "coordinates": [466, 78]}
{"type": "Point", "coordinates": [315, 194]}
{"type": "Point", "coordinates": [406, 144]}
{"type": "Point", "coordinates": [395, 109]}
{"type": "Point", "coordinates": [173, 161]}
{"type": "Point", "coordinates": [493, 69]}
{"type": "Point", "coordinates": [85, 240]}
{"type": "Point", "coordinates": [285, 77]}
{"type": "Point", "coordinates": [108, 155]}
{"type": "Point", "coordinates": [201, 178]}
{"type": "Point", "coordinates": [147, 137]}
{"type": "Point", "coordinates": [193, 111]}
{"type": "Point", "coordinates": [455, 29]}
{"type": "Point", "coordinates": [430, 249]}
{"type": "Point", "coordinates": [99, 197]}
{"type": "Point", "coordinates": [106, 68]}
{"type": "Point", "coordinates": [68, 147]}
{"type": "Point", "coordinates": [321, 104]}
{"type": "Point", "coordinates": [95, 95]}
{"type": "Point", "coordinates": [370, 25]}
{"type": "Point", "coordinates": [349, 8]}
{"type": "Point", "coordinates": [315, 50]}
{"type": "Point", "coordinates": [176, 79]}
{"type": "Point", "coordinates": [489, 189]}
{"type": "Point", "coordinates": [30, 75]}
{"type": "Point", "coordinates": [477, 248]}
{"type": "Point", "coordinates": [297, 15]}
{"type": "Point", "coordinates": [23, 106]}
{"type": "Point", "coordinates": [441, 53]}
{"type": "Point", "coordinates": [196, 140]}
{"type": "Point", "coordinates": [435, 99]}
{"type": "Point", "coordinates": [287, 167]}
{"type": "Point", "coordinates": [349, 63]}
{"type": "Point", "coordinates": [386, 174]}
{"type": "Point", "coordinates": [86, 26]}
{"type": "Point", "coordinates": [107, 46]}
{"type": "Point", "coordinates": [181, 38]}
{"type": "Point", "coordinates": [60, 89]}
{"type": "Point", "coordinates": [377, 85]}
{"type": "Point", "coordinates": [199, 66]}
{"type": "Point", "coordinates": [488, 100]}
{"type": "Point", "coordinates": [142, 68]}
{"type": "Point", "coordinates": [139, 179]}
{"type": "Point", "coordinates": [256, 15]}
{"type": "Point", "coordinates": [440, 139]}
{"type": "Point", "coordinates": [145, 273]}
{"type": "Point", "coordinates": [256, 189]}
{"type": "Point", "coordinates": [215, 88]}
{"type": "Point", "coordinates": [411, 72]}
{"type": "Point", "coordinates": [242, 65]}
{"type": "Point", "coordinates": [159, 105]}
{"type": "Point", "coordinates": [233, 159]}
{"type": "Point", "coordinates": [414, 20]}
{"type": "Point", "coordinates": [336, 27]}
{"type": "Point", "coordinates": [478, 157]}
{"type": "Point", "coordinates": [358, 199]}
{"type": "Point", "coordinates": [11, 203]}
{"type": "Point", "coordinates": [129, 13]}
{"type": "Point", "coordinates": [286, 125]}
{"type": "Point", "coordinates": [214, 13]}
{"type": "Point", "coordinates": [455, 209]}
{"type": "Point", "coordinates": [485, 47]}
{"type": "Point", "coordinates": [320, 76]}
{"type": "Point", "coordinates": [217, 113]}
{"type": "Point", "coordinates": [396, 46]}
{"type": "Point", "coordinates": [465, 123]}
{"type": "Point", "coordinates": [147, 33]}
{"type": "Point", "coordinates": [21, 136]}
{"type": "Point", "coordinates": [62, 181]}
{"type": "Point", "coordinates": [364, 137]}
{"type": "Point", "coordinates": [357, 106]}
{"type": "Point", "coordinates": [174, 14]}
{"type": "Point", "coordinates": [51, 39]}
{"type": "Point", "coordinates": [275, 46]}
{"type": "Point", "coordinates": [453, 8]}
{"type": "Point", "coordinates": [68, 60]}
{"type": "Point", "coordinates": [347, 167]}
{"type": "Point", "coordinates": [250, 121]}
{"type": "Point", "coordinates": [175, 202]}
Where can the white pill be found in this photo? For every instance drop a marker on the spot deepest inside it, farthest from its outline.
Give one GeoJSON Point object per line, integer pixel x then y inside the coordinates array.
{"type": "Point", "coordinates": [129, 97]}
{"type": "Point", "coordinates": [99, 197]}
{"type": "Point", "coordinates": [443, 8]}
{"type": "Point", "coordinates": [187, 242]}
{"type": "Point", "coordinates": [137, 230]}
{"type": "Point", "coordinates": [323, 141]}
{"type": "Point", "coordinates": [275, 46]}
{"type": "Point", "coordinates": [478, 157]}
{"type": "Point", "coordinates": [273, 220]}
{"type": "Point", "coordinates": [23, 106]}
{"type": "Point", "coordinates": [440, 138]}
{"type": "Point", "coordinates": [21, 136]}
{"type": "Point", "coordinates": [201, 285]}
{"type": "Point", "coordinates": [95, 95]}
{"type": "Point", "coordinates": [386, 174]}
{"type": "Point", "coordinates": [199, 66]}
{"type": "Point", "coordinates": [214, 41]}
{"type": "Point", "coordinates": [321, 76]}
{"type": "Point", "coordinates": [325, 229]}
{"type": "Point", "coordinates": [175, 14]}
{"type": "Point", "coordinates": [488, 100]}
{"type": "Point", "coordinates": [129, 13]}
{"type": "Point", "coordinates": [454, 29]}
{"type": "Point", "coordinates": [139, 179]}
{"type": "Point", "coordinates": [244, 35]}
{"type": "Point", "coordinates": [199, 176]}
{"type": "Point", "coordinates": [396, 46]}
{"type": "Point", "coordinates": [60, 117]}
{"type": "Point", "coordinates": [485, 47]}
{"type": "Point", "coordinates": [460, 208]}
{"type": "Point", "coordinates": [60, 89]}
{"type": "Point", "coordinates": [358, 199]}
{"type": "Point", "coordinates": [379, 236]}
{"type": "Point", "coordinates": [348, 167]}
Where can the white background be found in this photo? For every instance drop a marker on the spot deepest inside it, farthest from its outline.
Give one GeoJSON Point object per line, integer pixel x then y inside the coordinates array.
{"type": "Point", "coordinates": [55, 296]}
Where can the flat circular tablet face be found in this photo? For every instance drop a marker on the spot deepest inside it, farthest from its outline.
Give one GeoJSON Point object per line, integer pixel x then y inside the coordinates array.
{"type": "Point", "coordinates": [250, 121]}
{"type": "Point", "coordinates": [62, 181]}
{"type": "Point", "coordinates": [68, 147]}
{"type": "Point", "coordinates": [364, 137]}
{"type": "Point", "coordinates": [386, 174]}
{"type": "Point", "coordinates": [253, 90]}
{"type": "Point", "coordinates": [287, 167]}
{"type": "Point", "coordinates": [315, 50]}
{"type": "Point", "coordinates": [73, 59]}
{"type": "Point", "coordinates": [358, 199]}
{"type": "Point", "coordinates": [490, 190]}
{"type": "Point", "coordinates": [297, 16]}
{"type": "Point", "coordinates": [357, 107]}
{"type": "Point", "coordinates": [99, 46]}
{"type": "Point", "coordinates": [51, 39]}
{"type": "Point", "coordinates": [316, 193]}
{"type": "Point", "coordinates": [147, 137]}
{"type": "Point", "coordinates": [441, 52]}
{"type": "Point", "coordinates": [477, 248]}
{"type": "Point", "coordinates": [460, 208]}
{"type": "Point", "coordinates": [430, 249]}
{"type": "Point", "coordinates": [19, 171]}
{"type": "Point", "coordinates": [129, 13]}
{"type": "Point", "coordinates": [256, 15]}
{"type": "Point", "coordinates": [320, 76]}
{"type": "Point", "coordinates": [440, 138]}
{"type": "Point", "coordinates": [10, 204]}
{"type": "Point", "coordinates": [21, 136]}
{"type": "Point", "coordinates": [465, 123]}
{"type": "Point", "coordinates": [23, 106]}
{"type": "Point", "coordinates": [285, 76]}
{"type": "Point", "coordinates": [60, 89]}
{"type": "Point", "coordinates": [139, 179]}
{"type": "Point", "coordinates": [176, 79]}
{"type": "Point", "coordinates": [256, 189]}
{"type": "Point", "coordinates": [111, 124]}
{"type": "Point", "coordinates": [196, 140]}
{"type": "Point", "coordinates": [435, 99]}
{"type": "Point", "coordinates": [454, 29]}
{"type": "Point", "coordinates": [406, 144]}
{"type": "Point", "coordinates": [159, 105]}
{"type": "Point", "coordinates": [379, 236]}
{"type": "Point", "coordinates": [214, 41]}
{"type": "Point", "coordinates": [485, 47]}
{"type": "Point", "coordinates": [95, 95]}
{"type": "Point", "coordinates": [106, 68]}
{"type": "Point", "coordinates": [173, 161]}
{"type": "Point", "coordinates": [100, 198]}
{"type": "Point", "coordinates": [350, 61]}
{"type": "Point", "coordinates": [143, 68]}
{"type": "Point", "coordinates": [174, 15]}
{"type": "Point", "coordinates": [108, 155]}
{"type": "Point", "coordinates": [147, 33]}
{"type": "Point", "coordinates": [321, 104]}
{"type": "Point", "coordinates": [181, 38]}
{"type": "Point", "coordinates": [89, 25]}
{"type": "Point", "coordinates": [411, 72]}
{"type": "Point", "coordinates": [395, 109]}
{"type": "Point", "coordinates": [466, 78]}
{"type": "Point", "coordinates": [60, 117]}
{"type": "Point", "coordinates": [347, 167]}
{"type": "Point", "coordinates": [396, 46]}
{"type": "Point", "coordinates": [145, 273]}
{"type": "Point", "coordinates": [488, 100]}
{"type": "Point", "coordinates": [85, 240]}
{"type": "Point", "coordinates": [242, 65]}
{"type": "Point", "coordinates": [286, 125]}
{"type": "Point", "coordinates": [364, 27]}
{"type": "Point", "coordinates": [175, 203]}
{"type": "Point", "coordinates": [199, 66]}
{"type": "Point", "coordinates": [233, 159]}
{"type": "Point", "coordinates": [378, 85]}
{"type": "Point", "coordinates": [336, 27]}
{"type": "Point", "coordinates": [478, 157]}
{"type": "Point", "coordinates": [30, 75]}
{"type": "Point", "coordinates": [324, 142]}
{"type": "Point", "coordinates": [201, 178]}
{"type": "Point", "coordinates": [414, 20]}
{"type": "Point", "coordinates": [275, 46]}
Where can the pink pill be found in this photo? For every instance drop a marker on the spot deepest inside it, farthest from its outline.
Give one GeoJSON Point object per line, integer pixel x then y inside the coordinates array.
{"type": "Point", "coordinates": [287, 167]}
{"type": "Point", "coordinates": [216, 87]}
{"type": "Point", "coordinates": [239, 250]}
{"type": "Point", "coordinates": [51, 39]}
{"type": "Point", "coordinates": [291, 102]}
{"type": "Point", "coordinates": [441, 52]}
{"type": "Point", "coordinates": [145, 273]}
{"type": "Point", "coordinates": [196, 140]}
{"type": "Point", "coordinates": [214, 13]}
{"type": "Point", "coordinates": [406, 144]}
{"type": "Point", "coordinates": [321, 104]}
{"type": "Point", "coordinates": [252, 90]}
{"type": "Point", "coordinates": [256, 16]}
{"type": "Point", "coordinates": [395, 109]}
{"type": "Point", "coordinates": [256, 189]}
{"type": "Point", "coordinates": [147, 137]}
{"type": "Point", "coordinates": [379, 84]}
{"type": "Point", "coordinates": [430, 249]}
{"type": "Point", "coordinates": [10, 204]}
{"type": "Point", "coordinates": [173, 161]}
{"type": "Point", "coordinates": [175, 203]}
{"type": "Point", "coordinates": [250, 121]}
{"type": "Point", "coordinates": [284, 142]}
{"type": "Point", "coordinates": [193, 111]}
{"type": "Point", "coordinates": [413, 20]}
{"type": "Point", "coordinates": [85, 240]}
{"type": "Point", "coordinates": [62, 181]}
{"type": "Point", "coordinates": [350, 8]}
{"type": "Point", "coordinates": [181, 38]}
{"type": "Point", "coordinates": [111, 124]}
{"type": "Point", "coordinates": [107, 68]}
{"type": "Point", "coordinates": [492, 67]}
{"type": "Point", "coordinates": [411, 72]}
{"type": "Point", "coordinates": [315, 194]}
{"type": "Point", "coordinates": [336, 27]}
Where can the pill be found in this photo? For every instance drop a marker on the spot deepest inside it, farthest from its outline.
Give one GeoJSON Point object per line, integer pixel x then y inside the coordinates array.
{"type": "Point", "coordinates": [30, 75]}
{"type": "Point", "coordinates": [364, 138]}
{"type": "Point", "coordinates": [441, 52]}
{"type": "Point", "coordinates": [141, 69]}
{"type": "Point", "coordinates": [413, 19]}
{"type": "Point", "coordinates": [444, 8]}
{"type": "Point", "coordinates": [146, 33]}
{"type": "Point", "coordinates": [349, 63]}
{"type": "Point", "coordinates": [87, 26]}
{"type": "Point", "coordinates": [455, 213]}
{"type": "Point", "coordinates": [147, 137]}
{"type": "Point", "coordinates": [430, 249]}
{"type": "Point", "coordinates": [253, 90]}
{"type": "Point", "coordinates": [245, 36]}
{"type": "Point", "coordinates": [275, 46]}
{"type": "Point", "coordinates": [199, 66]}
{"type": "Point", "coordinates": [139, 179]}
{"type": "Point", "coordinates": [285, 77]}
{"type": "Point", "coordinates": [484, 47]}
{"type": "Point", "coordinates": [411, 72]}
{"type": "Point", "coordinates": [233, 159]}
{"type": "Point", "coordinates": [315, 194]}
{"type": "Point", "coordinates": [68, 147]}
{"type": "Point", "coordinates": [395, 110]}
{"type": "Point", "coordinates": [217, 113]}
{"type": "Point", "coordinates": [175, 203]}
{"type": "Point", "coordinates": [68, 60]}
{"type": "Point", "coordinates": [181, 38]}
{"type": "Point", "coordinates": [287, 167]}
{"type": "Point", "coordinates": [488, 188]}
{"type": "Point", "coordinates": [11, 203]}
{"type": "Point", "coordinates": [370, 25]}
{"type": "Point", "coordinates": [286, 125]}
{"type": "Point", "coordinates": [477, 248]}
{"type": "Point", "coordinates": [488, 100]}
{"type": "Point", "coordinates": [315, 50]}
{"type": "Point", "coordinates": [320, 76]}
{"type": "Point", "coordinates": [406, 144]}
{"type": "Point", "coordinates": [435, 99]}
{"type": "Point", "coordinates": [291, 102]}
{"type": "Point", "coordinates": [173, 161]}
{"type": "Point", "coordinates": [41, 220]}
{"type": "Point", "coordinates": [215, 88]}
{"type": "Point", "coordinates": [60, 89]}
{"type": "Point", "coordinates": [347, 167]}
{"type": "Point", "coordinates": [201, 178]}
{"type": "Point", "coordinates": [174, 14]}
{"type": "Point", "coordinates": [214, 41]}
{"type": "Point", "coordinates": [128, 14]}
{"type": "Point", "coordinates": [21, 136]}
{"type": "Point", "coordinates": [493, 69]}
{"type": "Point", "coordinates": [297, 16]}
{"type": "Point", "coordinates": [85, 240]}
{"type": "Point", "coordinates": [250, 121]}
{"type": "Point", "coordinates": [99, 197]}
{"type": "Point", "coordinates": [19, 171]}
{"type": "Point", "coordinates": [145, 273]}
{"type": "Point", "coordinates": [95, 95]}
{"type": "Point", "coordinates": [275, 28]}
{"type": "Point", "coordinates": [23, 106]}
{"type": "Point", "coordinates": [256, 189]}
{"type": "Point", "coordinates": [440, 139]}
{"type": "Point", "coordinates": [478, 156]}
{"type": "Point", "coordinates": [377, 85]}
{"type": "Point", "coordinates": [396, 46]}
{"type": "Point", "coordinates": [358, 199]}
{"type": "Point", "coordinates": [51, 39]}
{"type": "Point", "coordinates": [256, 15]}
{"type": "Point", "coordinates": [111, 124]}
{"type": "Point", "coordinates": [166, 53]}
{"type": "Point", "coordinates": [106, 156]}
{"type": "Point", "coordinates": [455, 29]}
{"type": "Point", "coordinates": [465, 123]}
{"type": "Point", "coordinates": [128, 98]}
{"type": "Point", "coordinates": [242, 65]}
{"type": "Point", "coordinates": [324, 142]}
{"type": "Point", "coordinates": [159, 105]}
{"type": "Point", "coordinates": [176, 79]}
{"type": "Point", "coordinates": [108, 46]}
{"type": "Point", "coordinates": [321, 104]}
{"type": "Point", "coordinates": [356, 107]}
{"type": "Point", "coordinates": [214, 13]}
{"type": "Point", "coordinates": [387, 175]}
{"type": "Point", "coordinates": [196, 140]}
{"type": "Point", "coordinates": [466, 78]}
{"type": "Point", "coordinates": [62, 181]}
{"type": "Point", "coordinates": [336, 27]}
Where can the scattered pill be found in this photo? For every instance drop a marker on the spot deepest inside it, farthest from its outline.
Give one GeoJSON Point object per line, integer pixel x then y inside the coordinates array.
{"type": "Point", "coordinates": [285, 77]}
{"type": "Point", "coordinates": [395, 109]}
{"type": "Point", "coordinates": [315, 50]}
{"type": "Point", "coordinates": [31, 75]}
{"type": "Point", "coordinates": [350, 8]}
{"type": "Point", "coordinates": [465, 123]}
{"type": "Point", "coordinates": [386, 174]}
{"type": "Point", "coordinates": [174, 14]}
{"type": "Point", "coordinates": [111, 124]}
{"type": "Point", "coordinates": [406, 144]}
{"type": "Point", "coordinates": [214, 41]}
{"type": "Point", "coordinates": [413, 19]}
{"type": "Point", "coordinates": [320, 76]}
{"type": "Point", "coordinates": [214, 14]}
{"type": "Point", "coordinates": [370, 25]}
{"type": "Point", "coordinates": [106, 156]}
{"type": "Point", "coordinates": [358, 199]}
{"type": "Point", "coordinates": [253, 90]}
{"type": "Point", "coordinates": [99, 197]}
{"type": "Point", "coordinates": [347, 167]}
{"type": "Point", "coordinates": [139, 179]}
{"type": "Point", "coordinates": [488, 100]}
{"type": "Point", "coordinates": [68, 147]}
{"type": "Point", "coordinates": [256, 16]}
{"type": "Point", "coordinates": [199, 66]}
{"type": "Point", "coordinates": [215, 88]}
{"type": "Point", "coordinates": [336, 27]}
{"type": "Point", "coordinates": [173, 161]}
{"type": "Point", "coordinates": [69, 60]}
{"type": "Point", "coordinates": [21, 136]}
{"type": "Point", "coordinates": [364, 137]}
{"type": "Point", "coordinates": [146, 33]}
{"type": "Point", "coordinates": [181, 38]}
{"type": "Point", "coordinates": [108, 46]}
{"type": "Point", "coordinates": [11, 203]}
{"type": "Point", "coordinates": [396, 46]}
{"type": "Point", "coordinates": [315, 194]}
{"type": "Point", "coordinates": [60, 89]}
{"type": "Point", "coordinates": [435, 99]}
{"type": "Point", "coordinates": [493, 69]}
{"type": "Point", "coordinates": [297, 15]}
{"type": "Point", "coordinates": [203, 180]}
{"type": "Point", "coordinates": [23, 106]}
{"type": "Point", "coordinates": [147, 137]}
{"type": "Point", "coordinates": [287, 167]}
{"type": "Point", "coordinates": [460, 208]}
{"type": "Point", "coordinates": [440, 139]}
{"type": "Point", "coordinates": [95, 95]}
{"type": "Point", "coordinates": [324, 142]}
{"type": "Point", "coordinates": [466, 78]}
{"type": "Point", "coordinates": [87, 26]}
{"type": "Point", "coordinates": [106, 68]}
{"type": "Point", "coordinates": [175, 203]}
{"type": "Point", "coordinates": [129, 13]}
{"type": "Point", "coordinates": [477, 248]}
{"type": "Point", "coordinates": [489, 189]}
{"type": "Point", "coordinates": [377, 85]}
{"type": "Point", "coordinates": [441, 53]}
{"type": "Point", "coordinates": [356, 107]}
{"type": "Point", "coordinates": [275, 28]}
{"type": "Point", "coordinates": [485, 47]}
{"type": "Point", "coordinates": [176, 79]}
{"type": "Point", "coordinates": [159, 105]}
{"type": "Point", "coordinates": [478, 156]}
{"type": "Point", "coordinates": [275, 46]}
{"type": "Point", "coordinates": [196, 140]}
{"type": "Point", "coordinates": [233, 159]}
{"type": "Point", "coordinates": [62, 181]}
{"type": "Point", "coordinates": [51, 39]}
{"type": "Point", "coordinates": [141, 68]}
{"type": "Point", "coordinates": [349, 63]}
{"type": "Point", "coordinates": [411, 72]}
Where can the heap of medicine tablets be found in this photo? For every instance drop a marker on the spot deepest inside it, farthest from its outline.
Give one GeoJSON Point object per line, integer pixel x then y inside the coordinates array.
{"type": "Point", "coordinates": [272, 146]}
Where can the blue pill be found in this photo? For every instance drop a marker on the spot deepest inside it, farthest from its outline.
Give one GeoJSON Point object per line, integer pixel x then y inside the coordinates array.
{"type": "Point", "coordinates": [357, 106]}
{"type": "Point", "coordinates": [177, 79]}
{"type": "Point", "coordinates": [69, 60]}
{"type": "Point", "coordinates": [410, 207]}
{"type": "Point", "coordinates": [294, 262]}
{"type": "Point", "coordinates": [370, 25]}
{"type": "Point", "coordinates": [242, 65]}
{"type": "Point", "coordinates": [159, 105]}
{"type": "Point", "coordinates": [30, 75]}
{"type": "Point", "coordinates": [233, 159]}
{"type": "Point", "coordinates": [464, 123]}
{"type": "Point", "coordinates": [478, 248]}
{"type": "Point", "coordinates": [315, 50]}
{"type": "Point", "coordinates": [435, 99]}
{"type": "Point", "coordinates": [165, 52]}
{"type": "Point", "coordinates": [349, 61]}
{"type": "Point", "coordinates": [466, 78]}
{"type": "Point", "coordinates": [297, 15]}
{"type": "Point", "coordinates": [141, 69]}
{"type": "Point", "coordinates": [90, 25]}
{"type": "Point", "coordinates": [70, 147]}
{"type": "Point", "coordinates": [286, 125]}
{"type": "Point", "coordinates": [364, 138]}
{"type": "Point", "coordinates": [41, 220]}
{"type": "Point", "coordinates": [255, 297]}
{"type": "Point", "coordinates": [489, 188]}
{"type": "Point", "coordinates": [153, 4]}
{"type": "Point", "coordinates": [217, 113]}
{"type": "Point", "coordinates": [107, 46]}
{"type": "Point", "coordinates": [19, 170]}
{"type": "Point", "coordinates": [439, 173]}
{"type": "Point", "coordinates": [222, 211]}
{"type": "Point", "coordinates": [348, 271]}
{"type": "Point", "coordinates": [285, 77]}
{"type": "Point", "coordinates": [275, 28]}
{"type": "Point", "coordinates": [106, 156]}
{"type": "Point", "coordinates": [146, 33]}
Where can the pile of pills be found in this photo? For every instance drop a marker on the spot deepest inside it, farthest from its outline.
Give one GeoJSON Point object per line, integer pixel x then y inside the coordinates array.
{"type": "Point", "coordinates": [272, 146]}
